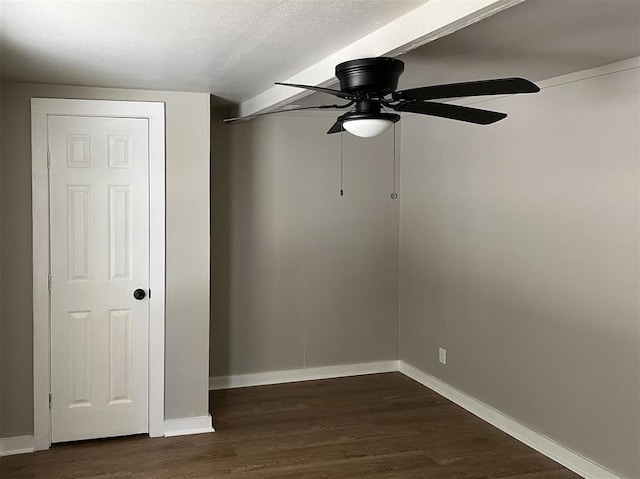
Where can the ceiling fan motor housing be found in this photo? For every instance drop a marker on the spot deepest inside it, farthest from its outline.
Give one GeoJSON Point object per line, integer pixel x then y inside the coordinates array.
{"type": "Point", "coordinates": [377, 76]}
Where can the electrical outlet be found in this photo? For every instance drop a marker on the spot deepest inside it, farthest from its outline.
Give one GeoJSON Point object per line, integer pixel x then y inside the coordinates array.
{"type": "Point", "coordinates": [442, 355]}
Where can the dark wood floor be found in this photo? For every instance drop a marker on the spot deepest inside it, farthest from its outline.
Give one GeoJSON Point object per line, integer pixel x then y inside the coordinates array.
{"type": "Point", "coordinates": [377, 426]}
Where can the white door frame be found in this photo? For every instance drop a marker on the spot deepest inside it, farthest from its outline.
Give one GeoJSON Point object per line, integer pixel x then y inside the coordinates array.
{"type": "Point", "coordinates": [41, 109]}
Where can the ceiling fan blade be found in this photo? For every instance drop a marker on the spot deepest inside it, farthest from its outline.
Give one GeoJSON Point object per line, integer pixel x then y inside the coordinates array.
{"type": "Point", "coordinates": [284, 110]}
{"type": "Point", "coordinates": [337, 127]}
{"type": "Point", "coordinates": [499, 86]}
{"type": "Point", "coordinates": [454, 112]}
{"type": "Point", "coordinates": [330, 91]}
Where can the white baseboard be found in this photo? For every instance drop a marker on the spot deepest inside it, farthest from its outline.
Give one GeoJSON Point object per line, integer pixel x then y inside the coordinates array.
{"type": "Point", "coordinates": [307, 374]}
{"type": "Point", "coordinates": [16, 445]}
{"type": "Point", "coordinates": [172, 427]}
{"type": "Point", "coordinates": [188, 425]}
{"type": "Point", "coordinates": [569, 459]}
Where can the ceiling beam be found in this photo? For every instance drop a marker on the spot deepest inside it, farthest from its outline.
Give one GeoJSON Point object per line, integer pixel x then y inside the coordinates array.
{"type": "Point", "coordinates": [435, 19]}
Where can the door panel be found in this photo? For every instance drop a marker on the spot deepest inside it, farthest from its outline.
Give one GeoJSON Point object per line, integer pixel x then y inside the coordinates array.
{"type": "Point", "coordinates": [99, 226]}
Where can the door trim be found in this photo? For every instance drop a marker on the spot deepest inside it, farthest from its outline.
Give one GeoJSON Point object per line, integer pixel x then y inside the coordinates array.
{"type": "Point", "coordinates": [154, 112]}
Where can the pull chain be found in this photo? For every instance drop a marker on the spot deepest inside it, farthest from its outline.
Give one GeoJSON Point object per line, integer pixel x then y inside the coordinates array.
{"type": "Point", "coordinates": [341, 164]}
{"type": "Point", "coordinates": [394, 194]}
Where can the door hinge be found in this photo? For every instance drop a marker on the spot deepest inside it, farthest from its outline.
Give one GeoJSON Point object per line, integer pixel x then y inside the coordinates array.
{"type": "Point", "coordinates": [49, 281]}
{"type": "Point", "coordinates": [49, 400]}
{"type": "Point", "coordinates": [48, 159]}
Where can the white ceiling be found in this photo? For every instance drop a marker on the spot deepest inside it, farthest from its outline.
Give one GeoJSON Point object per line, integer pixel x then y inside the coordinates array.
{"type": "Point", "coordinates": [236, 49]}
{"type": "Point", "coordinates": [537, 39]}
{"type": "Point", "coordinates": [233, 49]}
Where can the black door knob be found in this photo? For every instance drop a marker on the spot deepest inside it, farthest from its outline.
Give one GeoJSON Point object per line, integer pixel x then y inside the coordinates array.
{"type": "Point", "coordinates": [139, 294]}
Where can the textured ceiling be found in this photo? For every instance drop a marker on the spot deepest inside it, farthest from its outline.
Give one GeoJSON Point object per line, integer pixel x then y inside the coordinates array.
{"type": "Point", "coordinates": [233, 49]}
{"type": "Point", "coordinates": [537, 39]}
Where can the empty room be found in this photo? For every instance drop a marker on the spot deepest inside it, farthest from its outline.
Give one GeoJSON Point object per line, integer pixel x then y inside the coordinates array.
{"type": "Point", "coordinates": [260, 239]}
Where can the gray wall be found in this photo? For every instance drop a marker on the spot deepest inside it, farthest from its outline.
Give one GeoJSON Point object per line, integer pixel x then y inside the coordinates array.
{"type": "Point", "coordinates": [519, 254]}
{"type": "Point", "coordinates": [187, 253]}
{"type": "Point", "coordinates": [301, 277]}
{"type": "Point", "coordinates": [1, 290]}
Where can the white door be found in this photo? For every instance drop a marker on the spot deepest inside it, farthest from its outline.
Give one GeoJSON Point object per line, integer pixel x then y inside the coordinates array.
{"type": "Point", "coordinates": [99, 234]}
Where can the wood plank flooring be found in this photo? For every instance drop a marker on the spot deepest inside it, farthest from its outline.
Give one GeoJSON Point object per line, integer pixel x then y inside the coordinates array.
{"type": "Point", "coordinates": [376, 426]}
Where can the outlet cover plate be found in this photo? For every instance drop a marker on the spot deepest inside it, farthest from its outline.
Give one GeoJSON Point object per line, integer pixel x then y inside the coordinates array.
{"type": "Point", "coordinates": [442, 355]}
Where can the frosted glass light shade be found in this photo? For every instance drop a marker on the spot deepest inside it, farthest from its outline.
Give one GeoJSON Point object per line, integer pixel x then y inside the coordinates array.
{"type": "Point", "coordinates": [367, 127]}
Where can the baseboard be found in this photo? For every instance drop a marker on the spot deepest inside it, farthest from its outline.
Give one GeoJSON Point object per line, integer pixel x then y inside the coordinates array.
{"type": "Point", "coordinates": [569, 459]}
{"type": "Point", "coordinates": [16, 445]}
{"type": "Point", "coordinates": [188, 425]}
{"type": "Point", "coordinates": [306, 374]}
{"type": "Point", "coordinates": [172, 427]}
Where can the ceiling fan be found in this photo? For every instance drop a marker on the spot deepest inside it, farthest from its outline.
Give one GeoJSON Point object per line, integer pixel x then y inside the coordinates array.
{"type": "Point", "coordinates": [369, 87]}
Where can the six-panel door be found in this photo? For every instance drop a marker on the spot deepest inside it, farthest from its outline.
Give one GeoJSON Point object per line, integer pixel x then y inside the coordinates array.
{"type": "Point", "coordinates": [99, 214]}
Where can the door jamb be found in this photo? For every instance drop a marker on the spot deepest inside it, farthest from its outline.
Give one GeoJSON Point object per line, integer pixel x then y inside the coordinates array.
{"type": "Point", "coordinates": [154, 112]}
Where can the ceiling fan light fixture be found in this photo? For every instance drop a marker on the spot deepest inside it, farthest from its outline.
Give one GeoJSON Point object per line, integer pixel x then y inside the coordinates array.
{"type": "Point", "coordinates": [367, 127]}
